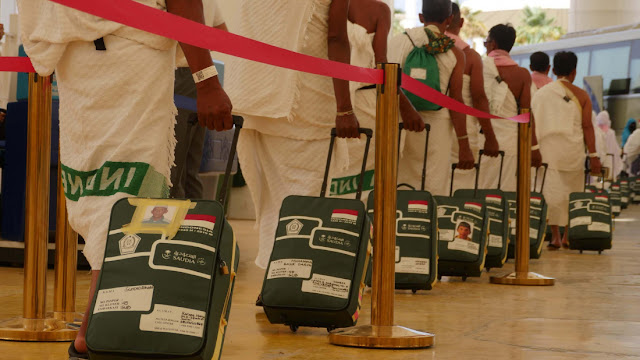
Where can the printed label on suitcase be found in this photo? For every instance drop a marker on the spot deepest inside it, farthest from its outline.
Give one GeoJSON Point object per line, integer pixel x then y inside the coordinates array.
{"type": "Point", "coordinates": [412, 228]}
{"type": "Point", "coordinates": [290, 268]}
{"type": "Point", "coordinates": [464, 245]}
{"type": "Point", "coordinates": [533, 233]}
{"type": "Point", "coordinates": [625, 199]}
{"type": "Point", "coordinates": [598, 226]}
{"type": "Point", "coordinates": [494, 199]}
{"type": "Point", "coordinates": [344, 216]}
{"type": "Point", "coordinates": [616, 209]}
{"type": "Point", "coordinates": [397, 253]}
{"type": "Point", "coordinates": [175, 320]}
{"type": "Point", "coordinates": [418, 206]}
{"type": "Point", "coordinates": [411, 265]}
{"type": "Point", "coordinates": [580, 221]}
{"type": "Point", "coordinates": [495, 241]}
{"type": "Point", "coordinates": [182, 256]}
{"type": "Point", "coordinates": [127, 298]}
{"type": "Point", "coordinates": [198, 223]}
{"type": "Point", "coordinates": [445, 235]}
{"type": "Point", "coordinates": [336, 240]}
{"type": "Point", "coordinates": [327, 285]}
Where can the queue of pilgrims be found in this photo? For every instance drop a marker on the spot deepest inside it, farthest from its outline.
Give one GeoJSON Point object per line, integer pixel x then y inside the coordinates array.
{"type": "Point", "coordinates": [288, 117]}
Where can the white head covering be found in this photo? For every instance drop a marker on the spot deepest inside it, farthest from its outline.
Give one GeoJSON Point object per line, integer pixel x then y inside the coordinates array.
{"type": "Point", "coordinates": [603, 119]}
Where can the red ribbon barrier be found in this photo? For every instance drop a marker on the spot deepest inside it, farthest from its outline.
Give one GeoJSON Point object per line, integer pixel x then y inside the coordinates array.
{"type": "Point", "coordinates": [142, 17]}
{"type": "Point", "coordinates": [419, 89]}
{"type": "Point", "coordinates": [16, 64]}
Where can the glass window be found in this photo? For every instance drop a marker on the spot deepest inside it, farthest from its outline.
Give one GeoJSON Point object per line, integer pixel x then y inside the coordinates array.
{"type": "Point", "coordinates": [611, 62]}
{"type": "Point", "coordinates": [634, 70]}
{"type": "Point", "coordinates": [583, 67]}
{"type": "Point", "coordinates": [525, 62]}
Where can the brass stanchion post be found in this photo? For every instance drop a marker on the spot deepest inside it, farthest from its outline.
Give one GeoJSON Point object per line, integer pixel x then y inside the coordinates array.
{"type": "Point", "coordinates": [66, 262]}
{"type": "Point", "coordinates": [522, 276]}
{"type": "Point", "coordinates": [35, 325]}
{"type": "Point", "coordinates": [382, 333]}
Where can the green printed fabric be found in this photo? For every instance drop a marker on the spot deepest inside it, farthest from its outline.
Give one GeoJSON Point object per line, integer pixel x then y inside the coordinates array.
{"type": "Point", "coordinates": [133, 178]}
{"type": "Point", "coordinates": [349, 184]}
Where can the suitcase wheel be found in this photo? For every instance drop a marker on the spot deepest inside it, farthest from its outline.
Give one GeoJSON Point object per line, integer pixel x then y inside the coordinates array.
{"type": "Point", "coordinates": [439, 277]}
{"type": "Point", "coordinates": [488, 269]}
{"type": "Point", "coordinates": [331, 328]}
{"type": "Point", "coordinates": [464, 278]}
{"type": "Point", "coordinates": [414, 291]}
{"type": "Point", "coordinates": [293, 328]}
{"type": "Point", "coordinates": [599, 252]}
{"type": "Point", "coordinates": [580, 251]}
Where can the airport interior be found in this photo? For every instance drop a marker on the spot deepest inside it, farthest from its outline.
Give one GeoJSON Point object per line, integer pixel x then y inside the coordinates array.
{"type": "Point", "coordinates": [313, 179]}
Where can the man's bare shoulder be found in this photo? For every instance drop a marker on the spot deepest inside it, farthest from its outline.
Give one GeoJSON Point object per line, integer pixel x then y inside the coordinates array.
{"type": "Point", "coordinates": [579, 93]}
{"type": "Point", "coordinates": [381, 9]}
{"type": "Point", "coordinates": [459, 55]}
{"type": "Point", "coordinates": [524, 74]}
{"type": "Point", "coordinates": [472, 57]}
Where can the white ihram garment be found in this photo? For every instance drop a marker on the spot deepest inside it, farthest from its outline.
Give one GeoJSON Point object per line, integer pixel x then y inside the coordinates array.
{"type": "Point", "coordinates": [288, 115]}
{"type": "Point", "coordinates": [465, 179]}
{"type": "Point", "coordinates": [344, 179]}
{"type": "Point", "coordinates": [561, 139]}
{"type": "Point", "coordinates": [116, 110]}
{"type": "Point", "coordinates": [503, 103]}
{"type": "Point", "coordinates": [441, 138]}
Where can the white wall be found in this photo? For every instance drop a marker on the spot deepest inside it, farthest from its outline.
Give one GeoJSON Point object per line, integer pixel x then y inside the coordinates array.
{"type": "Point", "coordinates": [593, 14]}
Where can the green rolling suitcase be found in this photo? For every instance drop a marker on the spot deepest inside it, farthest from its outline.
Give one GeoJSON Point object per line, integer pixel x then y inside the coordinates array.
{"type": "Point", "coordinates": [497, 209]}
{"type": "Point", "coordinates": [590, 221]}
{"type": "Point", "coordinates": [634, 185]}
{"type": "Point", "coordinates": [416, 235]}
{"type": "Point", "coordinates": [166, 284]}
{"type": "Point", "coordinates": [615, 197]}
{"type": "Point", "coordinates": [462, 234]}
{"type": "Point", "coordinates": [538, 228]}
{"type": "Point", "coordinates": [625, 193]}
{"type": "Point", "coordinates": [317, 268]}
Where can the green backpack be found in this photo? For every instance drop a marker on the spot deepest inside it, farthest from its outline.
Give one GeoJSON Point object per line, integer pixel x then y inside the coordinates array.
{"type": "Point", "coordinates": [423, 67]}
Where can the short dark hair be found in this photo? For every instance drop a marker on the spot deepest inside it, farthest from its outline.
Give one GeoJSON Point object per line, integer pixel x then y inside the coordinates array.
{"type": "Point", "coordinates": [436, 10]}
{"type": "Point", "coordinates": [464, 224]}
{"type": "Point", "coordinates": [455, 11]}
{"type": "Point", "coordinates": [539, 61]}
{"type": "Point", "coordinates": [504, 35]}
{"type": "Point", "coordinates": [564, 63]}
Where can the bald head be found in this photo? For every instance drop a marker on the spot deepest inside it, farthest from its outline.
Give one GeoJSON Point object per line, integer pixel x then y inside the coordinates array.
{"type": "Point", "coordinates": [436, 11]}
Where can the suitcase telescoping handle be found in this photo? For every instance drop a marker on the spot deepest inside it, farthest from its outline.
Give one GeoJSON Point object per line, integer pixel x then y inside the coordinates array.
{"type": "Point", "coordinates": [587, 174]}
{"type": "Point", "coordinates": [238, 121]}
{"type": "Point", "coordinates": [453, 172]}
{"type": "Point", "coordinates": [369, 135]}
{"type": "Point", "coordinates": [427, 130]}
{"type": "Point", "coordinates": [501, 153]}
{"type": "Point", "coordinates": [544, 178]}
{"type": "Point", "coordinates": [613, 164]}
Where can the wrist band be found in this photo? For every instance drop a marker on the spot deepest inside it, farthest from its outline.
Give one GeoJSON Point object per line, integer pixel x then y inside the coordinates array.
{"type": "Point", "coordinates": [593, 155]}
{"type": "Point", "coordinates": [345, 113]}
{"type": "Point", "coordinates": [205, 74]}
{"type": "Point", "coordinates": [463, 137]}
{"type": "Point", "coordinates": [536, 147]}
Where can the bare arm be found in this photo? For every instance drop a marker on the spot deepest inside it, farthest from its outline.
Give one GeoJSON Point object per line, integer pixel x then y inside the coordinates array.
{"type": "Point", "coordinates": [214, 106]}
{"type": "Point", "coordinates": [383, 25]}
{"type": "Point", "coordinates": [525, 103]}
{"type": "Point", "coordinates": [481, 103]}
{"type": "Point", "coordinates": [465, 158]}
{"type": "Point", "coordinates": [339, 50]}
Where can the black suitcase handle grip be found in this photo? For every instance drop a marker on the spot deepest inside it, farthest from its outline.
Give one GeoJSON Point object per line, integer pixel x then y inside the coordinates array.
{"type": "Point", "coordinates": [238, 122]}
{"type": "Point", "coordinates": [453, 172]}
{"type": "Point", "coordinates": [369, 135]}
{"type": "Point", "coordinates": [427, 130]}
{"type": "Point", "coordinates": [544, 178]}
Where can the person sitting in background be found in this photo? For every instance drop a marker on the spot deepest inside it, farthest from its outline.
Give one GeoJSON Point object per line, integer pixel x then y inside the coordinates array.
{"type": "Point", "coordinates": [563, 116]}
{"type": "Point", "coordinates": [611, 144]}
{"type": "Point", "coordinates": [628, 130]}
{"type": "Point", "coordinates": [632, 150]}
{"type": "Point", "coordinates": [539, 65]}
{"type": "Point", "coordinates": [628, 160]}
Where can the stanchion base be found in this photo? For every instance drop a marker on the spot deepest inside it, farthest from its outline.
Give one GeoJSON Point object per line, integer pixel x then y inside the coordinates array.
{"type": "Point", "coordinates": [49, 329]}
{"type": "Point", "coordinates": [526, 279]}
{"type": "Point", "coordinates": [381, 337]}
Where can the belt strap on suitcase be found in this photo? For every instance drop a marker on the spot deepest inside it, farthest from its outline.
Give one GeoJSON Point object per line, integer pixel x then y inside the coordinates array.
{"type": "Point", "coordinates": [238, 122]}
{"type": "Point", "coordinates": [427, 130]}
{"type": "Point", "coordinates": [369, 134]}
